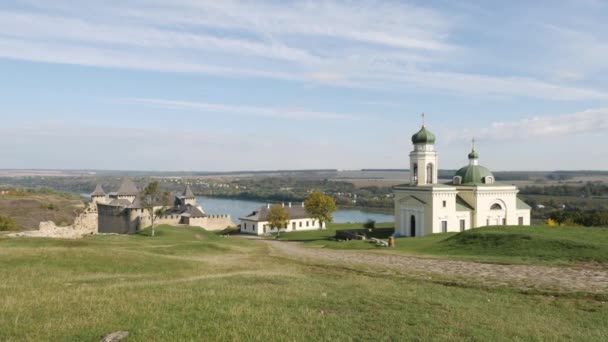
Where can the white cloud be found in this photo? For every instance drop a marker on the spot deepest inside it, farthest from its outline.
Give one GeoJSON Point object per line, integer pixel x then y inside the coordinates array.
{"type": "Point", "coordinates": [270, 112]}
{"type": "Point", "coordinates": [589, 121]}
{"type": "Point", "coordinates": [367, 44]}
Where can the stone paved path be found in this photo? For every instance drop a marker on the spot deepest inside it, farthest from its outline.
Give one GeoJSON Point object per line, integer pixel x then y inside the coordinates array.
{"type": "Point", "coordinates": [545, 278]}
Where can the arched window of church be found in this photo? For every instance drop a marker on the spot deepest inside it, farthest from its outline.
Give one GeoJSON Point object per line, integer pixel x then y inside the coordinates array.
{"type": "Point", "coordinates": [496, 206]}
{"type": "Point", "coordinates": [429, 174]}
{"type": "Point", "coordinates": [415, 173]}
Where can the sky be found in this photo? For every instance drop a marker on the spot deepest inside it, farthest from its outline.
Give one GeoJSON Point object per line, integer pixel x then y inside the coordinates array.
{"type": "Point", "coordinates": [198, 85]}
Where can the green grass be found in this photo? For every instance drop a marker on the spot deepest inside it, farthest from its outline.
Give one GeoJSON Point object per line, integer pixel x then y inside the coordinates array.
{"type": "Point", "coordinates": [187, 284]}
{"type": "Point", "coordinates": [508, 245]}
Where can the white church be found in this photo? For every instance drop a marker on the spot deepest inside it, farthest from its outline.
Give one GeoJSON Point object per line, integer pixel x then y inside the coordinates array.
{"type": "Point", "coordinates": [472, 199]}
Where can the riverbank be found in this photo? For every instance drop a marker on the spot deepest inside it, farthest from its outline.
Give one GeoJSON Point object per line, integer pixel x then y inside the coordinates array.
{"type": "Point", "coordinates": [238, 208]}
{"type": "Point", "coordinates": [379, 210]}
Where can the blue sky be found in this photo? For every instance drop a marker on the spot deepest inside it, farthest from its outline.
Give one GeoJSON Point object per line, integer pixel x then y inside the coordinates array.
{"type": "Point", "coordinates": [234, 85]}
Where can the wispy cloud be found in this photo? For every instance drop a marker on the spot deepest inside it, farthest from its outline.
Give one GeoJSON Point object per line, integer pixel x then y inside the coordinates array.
{"type": "Point", "coordinates": [589, 121]}
{"type": "Point", "coordinates": [106, 147]}
{"type": "Point", "coordinates": [366, 44]}
{"type": "Point", "coordinates": [269, 112]}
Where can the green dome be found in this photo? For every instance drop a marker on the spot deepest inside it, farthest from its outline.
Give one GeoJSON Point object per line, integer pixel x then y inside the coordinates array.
{"type": "Point", "coordinates": [474, 174]}
{"type": "Point", "coordinates": [423, 136]}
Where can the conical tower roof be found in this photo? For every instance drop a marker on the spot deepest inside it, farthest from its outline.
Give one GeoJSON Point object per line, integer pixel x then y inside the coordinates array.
{"type": "Point", "coordinates": [98, 191]}
{"type": "Point", "coordinates": [137, 204]}
{"type": "Point", "coordinates": [188, 192]}
{"type": "Point", "coordinates": [127, 188]}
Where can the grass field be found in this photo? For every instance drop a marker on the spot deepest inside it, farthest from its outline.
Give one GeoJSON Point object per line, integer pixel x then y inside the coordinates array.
{"type": "Point", "coordinates": [507, 245]}
{"type": "Point", "coordinates": [187, 284]}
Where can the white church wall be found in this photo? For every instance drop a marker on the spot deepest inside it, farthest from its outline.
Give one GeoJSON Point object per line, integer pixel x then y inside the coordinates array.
{"type": "Point", "coordinates": [506, 197]}
{"type": "Point", "coordinates": [444, 212]}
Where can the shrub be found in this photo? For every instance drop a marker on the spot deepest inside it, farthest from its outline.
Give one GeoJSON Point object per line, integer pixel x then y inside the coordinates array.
{"type": "Point", "coordinates": [369, 224]}
{"type": "Point", "coordinates": [7, 224]}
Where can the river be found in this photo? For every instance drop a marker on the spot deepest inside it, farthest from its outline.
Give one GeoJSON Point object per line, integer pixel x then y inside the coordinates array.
{"type": "Point", "coordinates": [238, 208]}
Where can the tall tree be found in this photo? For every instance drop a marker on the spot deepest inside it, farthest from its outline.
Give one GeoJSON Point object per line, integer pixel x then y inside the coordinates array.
{"type": "Point", "coordinates": [320, 207]}
{"type": "Point", "coordinates": [278, 217]}
{"type": "Point", "coordinates": [152, 196]}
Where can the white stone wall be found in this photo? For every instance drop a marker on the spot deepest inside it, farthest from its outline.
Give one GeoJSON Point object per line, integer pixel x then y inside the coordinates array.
{"type": "Point", "coordinates": [261, 228]}
{"type": "Point", "coordinates": [506, 197]}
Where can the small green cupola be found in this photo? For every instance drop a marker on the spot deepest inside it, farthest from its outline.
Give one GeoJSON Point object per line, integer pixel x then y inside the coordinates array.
{"type": "Point", "coordinates": [473, 155]}
{"type": "Point", "coordinates": [423, 136]}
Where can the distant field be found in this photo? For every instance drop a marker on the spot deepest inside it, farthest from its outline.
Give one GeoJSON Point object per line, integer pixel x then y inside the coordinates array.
{"type": "Point", "coordinates": [508, 245]}
{"type": "Point", "coordinates": [187, 284]}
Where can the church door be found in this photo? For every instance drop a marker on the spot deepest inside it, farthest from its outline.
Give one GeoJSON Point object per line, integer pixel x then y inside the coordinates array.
{"type": "Point", "coordinates": [413, 226]}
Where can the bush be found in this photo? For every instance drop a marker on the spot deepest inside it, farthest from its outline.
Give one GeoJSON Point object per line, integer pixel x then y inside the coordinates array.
{"type": "Point", "coordinates": [369, 224]}
{"type": "Point", "coordinates": [7, 224]}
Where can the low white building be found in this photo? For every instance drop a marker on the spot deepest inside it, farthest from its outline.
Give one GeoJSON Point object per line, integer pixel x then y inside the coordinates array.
{"type": "Point", "coordinates": [256, 223]}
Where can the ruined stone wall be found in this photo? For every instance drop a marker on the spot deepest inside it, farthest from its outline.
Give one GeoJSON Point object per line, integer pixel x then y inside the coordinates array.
{"type": "Point", "coordinates": [212, 222]}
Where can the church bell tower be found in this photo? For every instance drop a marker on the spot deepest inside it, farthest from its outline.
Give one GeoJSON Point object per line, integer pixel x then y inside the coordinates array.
{"type": "Point", "coordinates": [423, 159]}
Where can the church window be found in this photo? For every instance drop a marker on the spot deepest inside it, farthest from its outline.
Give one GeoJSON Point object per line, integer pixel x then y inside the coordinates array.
{"type": "Point", "coordinates": [462, 225]}
{"type": "Point", "coordinates": [496, 206]}
{"type": "Point", "coordinates": [429, 174]}
{"type": "Point", "coordinates": [457, 180]}
{"type": "Point", "coordinates": [445, 204]}
{"type": "Point", "coordinates": [489, 180]}
{"type": "Point", "coordinates": [521, 221]}
{"type": "Point", "coordinates": [415, 173]}
{"type": "Point", "coordinates": [444, 226]}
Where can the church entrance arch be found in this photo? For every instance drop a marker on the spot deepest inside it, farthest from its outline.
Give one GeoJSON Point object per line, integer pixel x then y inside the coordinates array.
{"type": "Point", "coordinates": [413, 226]}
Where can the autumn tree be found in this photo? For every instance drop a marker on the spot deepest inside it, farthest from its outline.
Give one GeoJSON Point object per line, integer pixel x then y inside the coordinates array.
{"type": "Point", "coordinates": [320, 207]}
{"type": "Point", "coordinates": [278, 217]}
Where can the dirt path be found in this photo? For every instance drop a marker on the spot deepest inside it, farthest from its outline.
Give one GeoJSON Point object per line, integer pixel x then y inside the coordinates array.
{"type": "Point", "coordinates": [544, 278]}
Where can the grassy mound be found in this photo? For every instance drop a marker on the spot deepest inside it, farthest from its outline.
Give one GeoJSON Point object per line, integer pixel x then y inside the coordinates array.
{"type": "Point", "coordinates": [508, 245]}
{"type": "Point", "coordinates": [527, 244]}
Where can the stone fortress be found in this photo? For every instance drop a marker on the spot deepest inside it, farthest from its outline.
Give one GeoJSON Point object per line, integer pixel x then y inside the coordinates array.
{"type": "Point", "coordinates": [122, 212]}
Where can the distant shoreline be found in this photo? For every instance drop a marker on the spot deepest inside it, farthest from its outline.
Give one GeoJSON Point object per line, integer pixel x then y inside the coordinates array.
{"type": "Point", "coordinates": [388, 211]}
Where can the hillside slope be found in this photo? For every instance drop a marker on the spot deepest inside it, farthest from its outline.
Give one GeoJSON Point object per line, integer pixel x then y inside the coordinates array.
{"type": "Point", "coordinates": [28, 209]}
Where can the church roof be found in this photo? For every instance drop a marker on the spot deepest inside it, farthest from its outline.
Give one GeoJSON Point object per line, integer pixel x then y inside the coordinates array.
{"type": "Point", "coordinates": [98, 191]}
{"type": "Point", "coordinates": [424, 136]}
{"type": "Point", "coordinates": [521, 205]}
{"type": "Point", "coordinates": [188, 192]}
{"type": "Point", "coordinates": [462, 205]}
{"type": "Point", "coordinates": [473, 174]}
{"type": "Point", "coordinates": [127, 188]}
